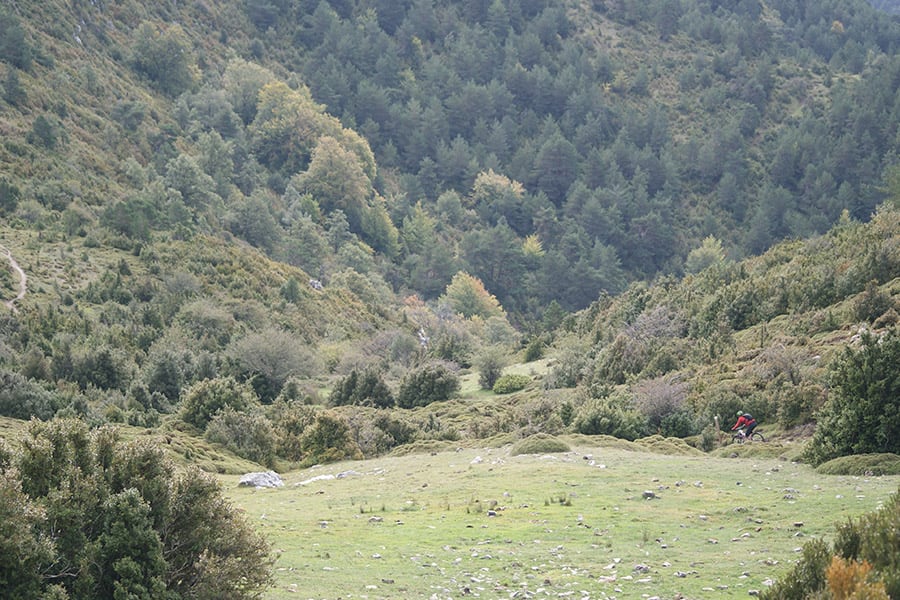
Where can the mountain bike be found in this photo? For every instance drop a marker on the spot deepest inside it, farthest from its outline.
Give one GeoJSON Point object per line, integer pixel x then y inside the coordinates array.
{"type": "Point", "coordinates": [740, 437]}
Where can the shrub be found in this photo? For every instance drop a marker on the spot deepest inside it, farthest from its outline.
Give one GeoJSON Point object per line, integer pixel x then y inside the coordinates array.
{"type": "Point", "coordinates": [539, 443]}
{"type": "Point", "coordinates": [203, 400]}
{"type": "Point", "coordinates": [165, 58]}
{"type": "Point", "coordinates": [134, 524]}
{"type": "Point", "coordinates": [489, 362]}
{"type": "Point", "coordinates": [290, 419]}
{"type": "Point", "coordinates": [271, 357]}
{"type": "Point", "coordinates": [847, 580]}
{"type": "Point", "coordinates": [434, 382]}
{"type": "Point", "coordinates": [14, 48]}
{"type": "Point", "coordinates": [872, 303]}
{"type": "Point", "coordinates": [328, 439]}
{"type": "Point", "coordinates": [535, 349]}
{"type": "Point", "coordinates": [610, 416]}
{"type": "Point", "coordinates": [9, 197]}
{"type": "Point", "coordinates": [510, 383]}
{"type": "Point", "coordinates": [366, 389]}
{"type": "Point", "coordinates": [380, 433]}
{"type": "Point", "coordinates": [21, 398]}
{"type": "Point", "coordinates": [250, 436]}
{"type": "Point", "coordinates": [860, 415]}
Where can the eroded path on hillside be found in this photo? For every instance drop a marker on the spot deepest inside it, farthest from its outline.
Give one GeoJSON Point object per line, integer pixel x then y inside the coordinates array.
{"type": "Point", "coordinates": [23, 279]}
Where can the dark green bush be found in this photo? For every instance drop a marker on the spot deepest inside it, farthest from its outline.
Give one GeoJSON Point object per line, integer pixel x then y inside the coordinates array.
{"type": "Point", "coordinates": [490, 363]}
{"type": "Point", "coordinates": [205, 399]}
{"type": "Point", "coordinates": [136, 526]}
{"type": "Point", "coordinates": [434, 382]}
{"type": "Point", "coordinates": [365, 389]}
{"type": "Point", "coordinates": [250, 436]}
{"type": "Point", "coordinates": [22, 398]}
{"type": "Point", "coordinates": [605, 416]}
{"type": "Point", "coordinates": [14, 49]}
{"type": "Point", "coordinates": [872, 303]}
{"type": "Point", "coordinates": [510, 383]}
{"type": "Point", "coordinates": [535, 349]}
{"type": "Point", "coordinates": [9, 197]}
{"type": "Point", "coordinates": [860, 416]}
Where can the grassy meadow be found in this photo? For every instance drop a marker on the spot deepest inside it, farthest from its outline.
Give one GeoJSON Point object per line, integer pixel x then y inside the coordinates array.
{"type": "Point", "coordinates": [486, 523]}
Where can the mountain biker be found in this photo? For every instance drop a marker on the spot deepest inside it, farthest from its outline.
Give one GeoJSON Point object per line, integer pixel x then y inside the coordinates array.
{"type": "Point", "coordinates": [745, 420]}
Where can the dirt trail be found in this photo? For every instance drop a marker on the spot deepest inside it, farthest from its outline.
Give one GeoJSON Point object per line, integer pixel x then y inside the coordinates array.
{"type": "Point", "coordinates": [23, 279]}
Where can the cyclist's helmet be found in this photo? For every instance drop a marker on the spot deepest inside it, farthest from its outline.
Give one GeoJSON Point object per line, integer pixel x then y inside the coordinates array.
{"type": "Point", "coordinates": [740, 413]}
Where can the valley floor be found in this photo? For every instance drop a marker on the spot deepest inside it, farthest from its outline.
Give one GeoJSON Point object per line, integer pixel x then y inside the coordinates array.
{"type": "Point", "coordinates": [591, 523]}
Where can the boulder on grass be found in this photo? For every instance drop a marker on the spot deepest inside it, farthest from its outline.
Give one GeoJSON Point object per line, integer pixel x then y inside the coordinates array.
{"type": "Point", "coordinates": [267, 479]}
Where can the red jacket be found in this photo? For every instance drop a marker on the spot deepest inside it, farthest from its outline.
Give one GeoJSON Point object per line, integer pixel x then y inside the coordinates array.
{"type": "Point", "coordinates": [742, 421]}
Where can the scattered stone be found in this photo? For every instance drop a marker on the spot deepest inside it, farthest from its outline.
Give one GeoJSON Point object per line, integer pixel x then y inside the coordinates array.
{"type": "Point", "coordinates": [477, 460]}
{"type": "Point", "coordinates": [347, 474]}
{"type": "Point", "coordinates": [641, 568]}
{"type": "Point", "coordinates": [698, 484]}
{"type": "Point", "coordinates": [316, 478]}
{"type": "Point", "coordinates": [649, 495]}
{"type": "Point", "coordinates": [267, 479]}
{"type": "Point", "coordinates": [376, 519]}
{"type": "Point", "coordinates": [753, 592]}
{"type": "Point", "coordinates": [798, 523]}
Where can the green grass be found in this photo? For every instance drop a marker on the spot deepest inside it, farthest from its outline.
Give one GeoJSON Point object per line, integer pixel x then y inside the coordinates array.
{"type": "Point", "coordinates": [418, 526]}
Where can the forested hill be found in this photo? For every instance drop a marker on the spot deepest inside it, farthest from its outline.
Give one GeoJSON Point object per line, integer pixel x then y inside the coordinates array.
{"type": "Point", "coordinates": [225, 211]}
{"type": "Point", "coordinates": [891, 6]}
{"type": "Point", "coordinates": [552, 149]}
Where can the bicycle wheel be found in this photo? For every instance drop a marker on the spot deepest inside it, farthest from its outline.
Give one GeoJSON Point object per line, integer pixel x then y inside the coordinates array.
{"type": "Point", "coordinates": [757, 437]}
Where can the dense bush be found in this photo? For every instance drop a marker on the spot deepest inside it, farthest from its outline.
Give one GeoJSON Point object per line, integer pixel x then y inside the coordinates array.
{"type": "Point", "coordinates": [22, 398]}
{"type": "Point", "coordinates": [431, 383]}
{"type": "Point", "coordinates": [490, 362]}
{"type": "Point", "coordinates": [290, 418]}
{"type": "Point", "coordinates": [510, 383]}
{"type": "Point", "coordinates": [362, 389]}
{"type": "Point", "coordinates": [610, 416]}
{"type": "Point", "coordinates": [860, 415]}
{"type": "Point", "coordinates": [203, 400]}
{"type": "Point", "coordinates": [380, 432]}
{"type": "Point", "coordinates": [120, 517]}
{"type": "Point", "coordinates": [328, 439]}
{"type": "Point", "coordinates": [250, 436]}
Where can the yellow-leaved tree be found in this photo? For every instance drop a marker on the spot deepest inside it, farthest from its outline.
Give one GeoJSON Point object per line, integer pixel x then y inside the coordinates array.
{"type": "Point", "coordinates": [467, 296]}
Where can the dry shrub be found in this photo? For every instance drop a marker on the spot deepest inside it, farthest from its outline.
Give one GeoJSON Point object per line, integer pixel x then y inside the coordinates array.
{"type": "Point", "coordinates": [847, 580]}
